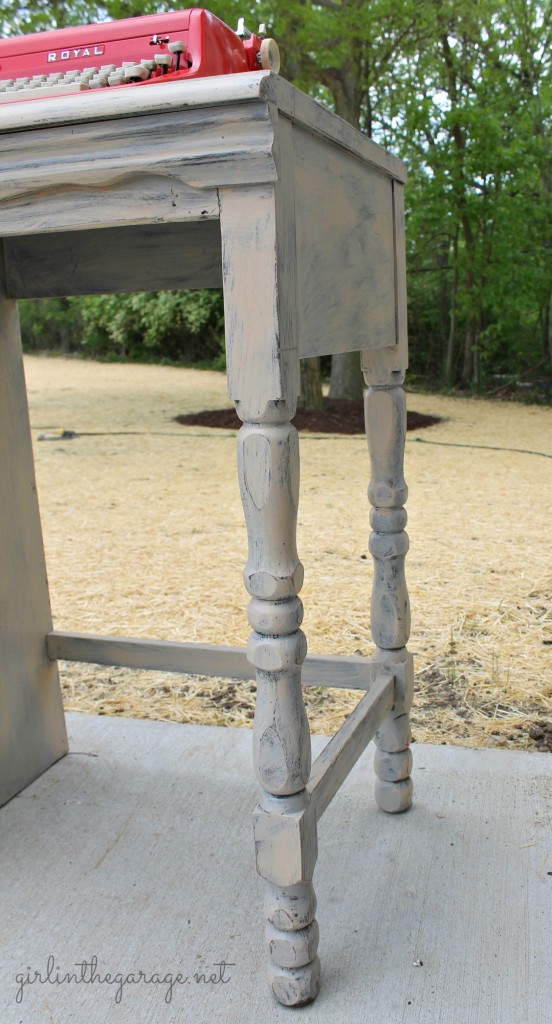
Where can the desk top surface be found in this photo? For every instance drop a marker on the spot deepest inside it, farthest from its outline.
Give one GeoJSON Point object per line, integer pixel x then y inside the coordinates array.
{"type": "Point", "coordinates": [250, 88]}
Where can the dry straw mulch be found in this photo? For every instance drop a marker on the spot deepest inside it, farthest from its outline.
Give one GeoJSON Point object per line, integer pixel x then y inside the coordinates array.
{"type": "Point", "coordinates": [144, 536]}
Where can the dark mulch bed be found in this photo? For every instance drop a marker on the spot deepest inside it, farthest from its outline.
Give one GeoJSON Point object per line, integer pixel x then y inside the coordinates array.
{"type": "Point", "coordinates": [339, 416]}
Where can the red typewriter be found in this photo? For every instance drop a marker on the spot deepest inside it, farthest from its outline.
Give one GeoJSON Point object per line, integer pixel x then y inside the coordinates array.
{"type": "Point", "coordinates": [149, 50]}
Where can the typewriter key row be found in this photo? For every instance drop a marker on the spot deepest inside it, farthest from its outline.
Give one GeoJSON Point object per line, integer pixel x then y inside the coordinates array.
{"type": "Point", "coordinates": [59, 82]}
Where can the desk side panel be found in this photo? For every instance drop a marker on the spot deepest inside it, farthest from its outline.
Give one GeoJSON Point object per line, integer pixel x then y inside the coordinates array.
{"type": "Point", "coordinates": [385, 366]}
{"type": "Point", "coordinates": [346, 265]}
{"type": "Point", "coordinates": [32, 726]}
{"type": "Point", "coordinates": [147, 257]}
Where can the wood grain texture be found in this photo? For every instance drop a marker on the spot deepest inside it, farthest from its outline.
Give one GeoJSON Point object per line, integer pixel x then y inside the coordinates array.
{"type": "Point", "coordinates": [146, 257]}
{"type": "Point", "coordinates": [400, 272]}
{"type": "Point", "coordinates": [386, 430]}
{"type": "Point", "coordinates": [286, 849]}
{"type": "Point", "coordinates": [286, 845]}
{"type": "Point", "coordinates": [108, 104]}
{"type": "Point", "coordinates": [393, 764]}
{"type": "Point", "coordinates": [273, 576]}
{"type": "Point", "coordinates": [349, 673]}
{"type": "Point", "coordinates": [243, 89]}
{"type": "Point", "coordinates": [386, 366]}
{"type": "Point", "coordinates": [394, 734]}
{"type": "Point", "coordinates": [142, 199]}
{"type": "Point", "coordinates": [259, 301]}
{"type": "Point", "coordinates": [32, 727]}
{"type": "Point", "coordinates": [268, 473]}
{"type": "Point", "coordinates": [315, 117]}
{"type": "Point", "coordinates": [345, 229]}
{"type": "Point", "coordinates": [131, 170]}
{"type": "Point", "coordinates": [331, 768]}
{"type": "Point", "coordinates": [385, 410]}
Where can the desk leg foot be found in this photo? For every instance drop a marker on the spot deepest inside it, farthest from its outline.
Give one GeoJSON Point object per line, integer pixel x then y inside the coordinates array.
{"type": "Point", "coordinates": [286, 849]}
{"type": "Point", "coordinates": [393, 764]}
{"type": "Point", "coordinates": [292, 941]}
{"type": "Point", "coordinates": [296, 987]}
{"type": "Point", "coordinates": [285, 818]}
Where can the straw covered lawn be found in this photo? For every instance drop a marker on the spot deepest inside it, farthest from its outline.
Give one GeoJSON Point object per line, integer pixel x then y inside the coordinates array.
{"type": "Point", "coordinates": [144, 537]}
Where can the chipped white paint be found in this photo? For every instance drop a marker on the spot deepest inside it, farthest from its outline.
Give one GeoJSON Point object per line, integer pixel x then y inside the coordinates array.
{"type": "Point", "coordinates": [103, 104]}
{"type": "Point", "coordinates": [385, 413]}
{"type": "Point", "coordinates": [213, 659]}
{"type": "Point", "coordinates": [386, 430]}
{"type": "Point", "coordinates": [341, 202]}
{"type": "Point", "coordinates": [142, 257]}
{"type": "Point", "coordinates": [285, 820]}
{"type": "Point", "coordinates": [32, 727]}
{"type": "Point", "coordinates": [344, 749]}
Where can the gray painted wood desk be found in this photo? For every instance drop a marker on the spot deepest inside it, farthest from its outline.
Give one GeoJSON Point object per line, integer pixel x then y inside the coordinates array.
{"type": "Point", "coordinates": [244, 182]}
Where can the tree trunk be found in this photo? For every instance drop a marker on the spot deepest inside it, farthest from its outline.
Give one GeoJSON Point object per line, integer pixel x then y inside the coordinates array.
{"type": "Point", "coordinates": [472, 324]}
{"type": "Point", "coordinates": [451, 340]}
{"type": "Point", "coordinates": [346, 380]}
{"type": "Point", "coordinates": [311, 384]}
{"type": "Point", "coordinates": [548, 329]}
{"type": "Point", "coordinates": [471, 339]}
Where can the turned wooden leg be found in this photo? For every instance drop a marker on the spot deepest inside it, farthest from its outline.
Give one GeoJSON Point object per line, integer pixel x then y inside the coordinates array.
{"type": "Point", "coordinates": [385, 409]}
{"type": "Point", "coordinates": [284, 820]}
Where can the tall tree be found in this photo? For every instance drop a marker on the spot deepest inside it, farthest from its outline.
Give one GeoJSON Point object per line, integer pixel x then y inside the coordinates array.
{"type": "Point", "coordinates": [474, 132]}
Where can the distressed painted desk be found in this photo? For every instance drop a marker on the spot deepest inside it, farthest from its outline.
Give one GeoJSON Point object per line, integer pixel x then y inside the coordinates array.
{"type": "Point", "coordinates": [241, 181]}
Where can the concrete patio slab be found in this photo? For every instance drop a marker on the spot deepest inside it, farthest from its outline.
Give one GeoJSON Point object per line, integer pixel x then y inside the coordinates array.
{"type": "Point", "coordinates": [134, 854]}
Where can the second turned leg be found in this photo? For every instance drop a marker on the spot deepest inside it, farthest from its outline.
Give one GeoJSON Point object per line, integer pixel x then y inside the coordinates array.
{"type": "Point", "coordinates": [284, 820]}
{"type": "Point", "coordinates": [385, 409]}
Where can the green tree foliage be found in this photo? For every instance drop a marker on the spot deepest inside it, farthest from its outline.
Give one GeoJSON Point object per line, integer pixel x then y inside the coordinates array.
{"type": "Point", "coordinates": [474, 128]}
{"type": "Point", "coordinates": [38, 15]}
{"type": "Point", "coordinates": [461, 89]}
{"type": "Point", "coordinates": [50, 325]}
{"type": "Point", "coordinates": [184, 327]}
